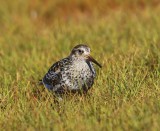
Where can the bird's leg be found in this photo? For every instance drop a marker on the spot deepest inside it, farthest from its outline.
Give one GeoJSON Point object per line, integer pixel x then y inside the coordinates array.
{"type": "Point", "coordinates": [58, 96]}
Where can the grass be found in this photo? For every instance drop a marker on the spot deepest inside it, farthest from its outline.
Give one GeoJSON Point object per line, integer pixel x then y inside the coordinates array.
{"type": "Point", "coordinates": [126, 93]}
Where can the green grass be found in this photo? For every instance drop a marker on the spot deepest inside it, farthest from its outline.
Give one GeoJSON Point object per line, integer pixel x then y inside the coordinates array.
{"type": "Point", "coordinates": [126, 93]}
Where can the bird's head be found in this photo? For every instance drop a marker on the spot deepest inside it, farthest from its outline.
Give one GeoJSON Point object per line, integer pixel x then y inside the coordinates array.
{"type": "Point", "coordinates": [83, 52]}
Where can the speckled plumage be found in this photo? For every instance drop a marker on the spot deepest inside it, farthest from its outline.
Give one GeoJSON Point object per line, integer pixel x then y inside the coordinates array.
{"type": "Point", "coordinates": [73, 73]}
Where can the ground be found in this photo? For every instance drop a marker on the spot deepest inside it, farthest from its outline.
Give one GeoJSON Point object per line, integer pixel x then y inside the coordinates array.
{"type": "Point", "coordinates": [123, 36]}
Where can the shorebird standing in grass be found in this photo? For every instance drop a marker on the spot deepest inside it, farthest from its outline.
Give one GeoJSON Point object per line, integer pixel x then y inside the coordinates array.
{"type": "Point", "coordinates": [72, 74]}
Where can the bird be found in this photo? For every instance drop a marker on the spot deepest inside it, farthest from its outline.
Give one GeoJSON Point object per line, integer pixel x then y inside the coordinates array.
{"type": "Point", "coordinates": [74, 73]}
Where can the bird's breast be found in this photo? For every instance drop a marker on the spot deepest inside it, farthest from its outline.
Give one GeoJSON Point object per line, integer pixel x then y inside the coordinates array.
{"type": "Point", "coordinates": [78, 74]}
{"type": "Point", "coordinates": [80, 67]}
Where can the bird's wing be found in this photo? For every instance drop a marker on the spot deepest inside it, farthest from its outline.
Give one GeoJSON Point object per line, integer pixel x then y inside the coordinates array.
{"type": "Point", "coordinates": [53, 76]}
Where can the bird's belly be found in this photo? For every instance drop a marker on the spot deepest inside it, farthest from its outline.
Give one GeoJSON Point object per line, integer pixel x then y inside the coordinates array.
{"type": "Point", "coordinates": [79, 77]}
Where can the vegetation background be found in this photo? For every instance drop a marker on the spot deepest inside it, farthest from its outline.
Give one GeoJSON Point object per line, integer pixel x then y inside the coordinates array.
{"type": "Point", "coordinates": [124, 36]}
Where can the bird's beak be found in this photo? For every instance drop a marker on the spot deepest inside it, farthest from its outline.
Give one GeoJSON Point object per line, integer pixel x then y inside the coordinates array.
{"type": "Point", "coordinates": [90, 58]}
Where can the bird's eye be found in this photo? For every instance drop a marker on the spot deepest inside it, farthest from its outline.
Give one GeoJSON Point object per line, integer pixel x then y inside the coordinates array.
{"type": "Point", "coordinates": [80, 51]}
